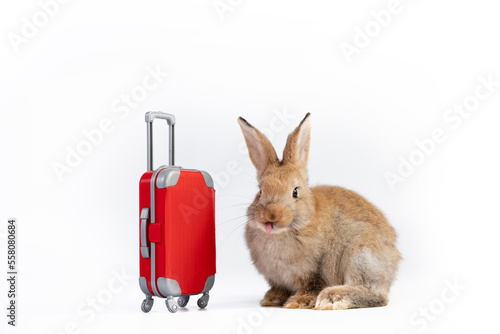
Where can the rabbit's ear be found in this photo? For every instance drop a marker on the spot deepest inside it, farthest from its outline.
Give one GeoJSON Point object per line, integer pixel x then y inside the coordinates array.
{"type": "Point", "coordinates": [260, 149]}
{"type": "Point", "coordinates": [297, 145]}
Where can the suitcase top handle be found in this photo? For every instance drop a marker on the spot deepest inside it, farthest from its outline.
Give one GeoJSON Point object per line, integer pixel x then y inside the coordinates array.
{"type": "Point", "coordinates": [150, 116]}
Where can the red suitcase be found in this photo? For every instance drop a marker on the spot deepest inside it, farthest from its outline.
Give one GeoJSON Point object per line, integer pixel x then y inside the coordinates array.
{"type": "Point", "coordinates": [177, 229]}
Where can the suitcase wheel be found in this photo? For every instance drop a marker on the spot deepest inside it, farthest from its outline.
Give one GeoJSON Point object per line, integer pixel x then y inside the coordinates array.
{"type": "Point", "coordinates": [203, 301]}
{"type": "Point", "coordinates": [147, 304]}
{"type": "Point", "coordinates": [183, 301]}
{"type": "Point", "coordinates": [171, 304]}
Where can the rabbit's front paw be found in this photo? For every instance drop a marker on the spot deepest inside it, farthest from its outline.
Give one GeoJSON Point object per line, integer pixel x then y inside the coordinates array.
{"type": "Point", "coordinates": [300, 300]}
{"type": "Point", "coordinates": [332, 302]}
{"type": "Point", "coordinates": [275, 297]}
{"type": "Point", "coordinates": [343, 297]}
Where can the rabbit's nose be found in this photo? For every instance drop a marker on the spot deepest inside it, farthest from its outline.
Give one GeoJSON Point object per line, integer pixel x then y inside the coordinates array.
{"type": "Point", "coordinates": [271, 217]}
{"type": "Point", "coordinates": [273, 212]}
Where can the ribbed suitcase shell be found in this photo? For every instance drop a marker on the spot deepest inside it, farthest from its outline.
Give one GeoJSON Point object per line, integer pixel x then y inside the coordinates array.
{"type": "Point", "coordinates": [183, 232]}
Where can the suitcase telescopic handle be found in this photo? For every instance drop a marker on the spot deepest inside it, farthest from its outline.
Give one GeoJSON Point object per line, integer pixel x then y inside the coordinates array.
{"type": "Point", "coordinates": [150, 117]}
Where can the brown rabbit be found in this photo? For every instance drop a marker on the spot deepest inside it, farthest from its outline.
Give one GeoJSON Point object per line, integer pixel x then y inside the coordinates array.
{"type": "Point", "coordinates": [324, 247]}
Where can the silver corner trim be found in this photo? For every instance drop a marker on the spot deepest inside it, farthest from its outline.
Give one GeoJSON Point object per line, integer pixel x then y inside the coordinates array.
{"type": "Point", "coordinates": [208, 179]}
{"type": "Point", "coordinates": [169, 287]}
{"type": "Point", "coordinates": [143, 283]}
{"type": "Point", "coordinates": [151, 115]}
{"type": "Point", "coordinates": [168, 177]}
{"type": "Point", "coordinates": [209, 283]}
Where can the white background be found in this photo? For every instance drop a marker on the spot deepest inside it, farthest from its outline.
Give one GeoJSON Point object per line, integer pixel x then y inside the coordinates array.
{"type": "Point", "coordinates": [257, 60]}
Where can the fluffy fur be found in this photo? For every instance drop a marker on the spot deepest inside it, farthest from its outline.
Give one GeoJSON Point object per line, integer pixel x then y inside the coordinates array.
{"type": "Point", "coordinates": [328, 248]}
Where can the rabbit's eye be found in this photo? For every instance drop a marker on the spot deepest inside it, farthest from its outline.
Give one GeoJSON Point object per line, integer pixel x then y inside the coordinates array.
{"type": "Point", "coordinates": [295, 193]}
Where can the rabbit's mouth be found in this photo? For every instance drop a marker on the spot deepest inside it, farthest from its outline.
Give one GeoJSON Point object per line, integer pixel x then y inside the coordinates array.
{"type": "Point", "coordinates": [268, 226]}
